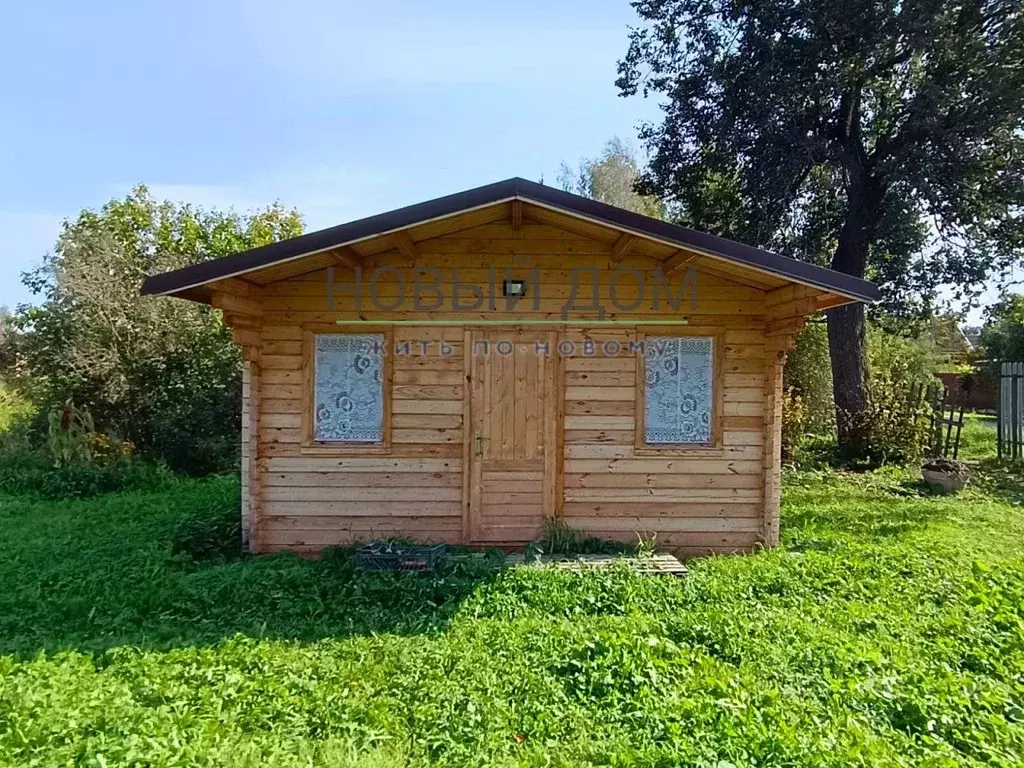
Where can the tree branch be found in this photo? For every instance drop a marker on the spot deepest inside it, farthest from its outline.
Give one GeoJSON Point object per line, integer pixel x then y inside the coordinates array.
{"type": "Point", "coordinates": [847, 138]}
{"type": "Point", "coordinates": [879, 67]}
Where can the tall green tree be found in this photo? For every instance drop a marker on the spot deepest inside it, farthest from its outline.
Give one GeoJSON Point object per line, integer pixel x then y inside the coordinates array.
{"type": "Point", "coordinates": [611, 178]}
{"type": "Point", "coordinates": [883, 139]}
{"type": "Point", "coordinates": [1002, 337]}
{"type": "Point", "coordinates": [160, 372]}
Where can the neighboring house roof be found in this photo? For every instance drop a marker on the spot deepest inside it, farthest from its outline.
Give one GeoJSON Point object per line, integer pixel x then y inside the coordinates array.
{"type": "Point", "coordinates": [948, 337]}
{"type": "Point", "coordinates": [973, 334]}
{"type": "Point", "coordinates": [511, 189]}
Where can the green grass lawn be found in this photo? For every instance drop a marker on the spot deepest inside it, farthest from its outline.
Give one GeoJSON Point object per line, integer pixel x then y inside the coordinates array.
{"type": "Point", "coordinates": [978, 437]}
{"type": "Point", "coordinates": [888, 630]}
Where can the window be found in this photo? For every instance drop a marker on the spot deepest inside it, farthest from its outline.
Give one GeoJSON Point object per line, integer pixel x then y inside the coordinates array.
{"type": "Point", "coordinates": [348, 383]}
{"type": "Point", "coordinates": [679, 401]}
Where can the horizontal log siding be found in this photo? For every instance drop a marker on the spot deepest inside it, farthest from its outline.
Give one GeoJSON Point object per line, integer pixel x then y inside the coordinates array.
{"type": "Point", "coordinates": [695, 504]}
{"type": "Point", "coordinates": [311, 500]}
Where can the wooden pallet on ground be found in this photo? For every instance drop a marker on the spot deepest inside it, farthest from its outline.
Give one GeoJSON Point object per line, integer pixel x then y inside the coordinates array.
{"type": "Point", "coordinates": [653, 565]}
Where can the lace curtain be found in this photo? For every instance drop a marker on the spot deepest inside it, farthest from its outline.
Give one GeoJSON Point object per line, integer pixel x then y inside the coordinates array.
{"type": "Point", "coordinates": [349, 392]}
{"type": "Point", "coordinates": [677, 401]}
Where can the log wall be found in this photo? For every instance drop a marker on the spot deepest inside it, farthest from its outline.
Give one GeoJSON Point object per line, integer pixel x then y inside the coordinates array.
{"type": "Point", "coordinates": [694, 501]}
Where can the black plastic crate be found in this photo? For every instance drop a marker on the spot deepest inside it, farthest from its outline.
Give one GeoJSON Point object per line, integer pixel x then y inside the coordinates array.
{"type": "Point", "coordinates": [385, 556]}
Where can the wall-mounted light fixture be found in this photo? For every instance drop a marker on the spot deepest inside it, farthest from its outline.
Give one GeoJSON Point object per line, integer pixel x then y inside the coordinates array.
{"type": "Point", "coordinates": [515, 288]}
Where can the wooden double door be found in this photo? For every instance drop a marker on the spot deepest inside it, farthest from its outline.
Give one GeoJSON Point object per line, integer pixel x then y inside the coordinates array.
{"type": "Point", "coordinates": [513, 434]}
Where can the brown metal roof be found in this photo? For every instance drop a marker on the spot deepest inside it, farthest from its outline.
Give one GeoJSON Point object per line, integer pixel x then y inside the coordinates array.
{"type": "Point", "coordinates": [511, 189]}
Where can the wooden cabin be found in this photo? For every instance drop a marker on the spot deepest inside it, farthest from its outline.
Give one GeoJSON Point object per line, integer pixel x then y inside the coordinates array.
{"type": "Point", "coordinates": [464, 369]}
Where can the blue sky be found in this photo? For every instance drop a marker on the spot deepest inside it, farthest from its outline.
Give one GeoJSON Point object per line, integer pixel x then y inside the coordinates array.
{"type": "Point", "coordinates": [341, 109]}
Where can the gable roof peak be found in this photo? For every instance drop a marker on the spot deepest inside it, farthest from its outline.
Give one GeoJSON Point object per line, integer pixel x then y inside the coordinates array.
{"type": "Point", "coordinates": [516, 187]}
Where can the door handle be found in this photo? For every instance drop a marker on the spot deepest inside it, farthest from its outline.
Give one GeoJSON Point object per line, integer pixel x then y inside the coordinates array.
{"type": "Point", "coordinates": [479, 439]}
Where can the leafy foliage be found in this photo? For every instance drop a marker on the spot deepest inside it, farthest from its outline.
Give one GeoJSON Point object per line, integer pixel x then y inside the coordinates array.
{"type": "Point", "coordinates": [557, 538]}
{"type": "Point", "coordinates": [28, 474]}
{"type": "Point", "coordinates": [892, 426]}
{"type": "Point", "coordinates": [68, 433]}
{"type": "Point", "coordinates": [910, 361]}
{"type": "Point", "coordinates": [611, 178]}
{"type": "Point", "coordinates": [160, 373]}
{"type": "Point", "coordinates": [808, 107]}
{"type": "Point", "coordinates": [808, 375]}
{"type": "Point", "coordinates": [887, 631]}
{"type": "Point", "coordinates": [72, 461]}
{"type": "Point", "coordinates": [795, 427]}
{"type": "Point", "coordinates": [1002, 337]}
{"type": "Point", "coordinates": [14, 410]}
{"type": "Point", "coordinates": [884, 139]}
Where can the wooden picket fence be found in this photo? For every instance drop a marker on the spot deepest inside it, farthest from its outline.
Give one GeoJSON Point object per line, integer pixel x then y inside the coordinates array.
{"type": "Point", "coordinates": [1010, 424]}
{"type": "Point", "coordinates": [945, 414]}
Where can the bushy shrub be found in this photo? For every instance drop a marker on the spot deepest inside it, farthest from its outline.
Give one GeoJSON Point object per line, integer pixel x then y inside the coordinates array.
{"type": "Point", "coordinates": [16, 423]}
{"type": "Point", "coordinates": [802, 445]}
{"type": "Point", "coordinates": [70, 460]}
{"type": "Point", "coordinates": [893, 428]}
{"type": "Point", "coordinates": [808, 409]}
{"type": "Point", "coordinates": [15, 412]}
{"type": "Point", "coordinates": [808, 376]}
{"type": "Point", "coordinates": [161, 373]}
{"type": "Point", "coordinates": [896, 358]}
{"type": "Point", "coordinates": [33, 473]}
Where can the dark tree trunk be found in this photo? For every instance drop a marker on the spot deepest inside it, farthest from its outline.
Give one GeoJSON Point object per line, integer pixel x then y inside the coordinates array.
{"type": "Point", "coordinates": [846, 331]}
{"type": "Point", "coordinates": [848, 353]}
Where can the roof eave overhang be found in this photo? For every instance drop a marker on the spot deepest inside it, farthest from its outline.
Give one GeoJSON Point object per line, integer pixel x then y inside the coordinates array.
{"type": "Point", "coordinates": [708, 253]}
{"type": "Point", "coordinates": [149, 285]}
{"type": "Point", "coordinates": [591, 211]}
